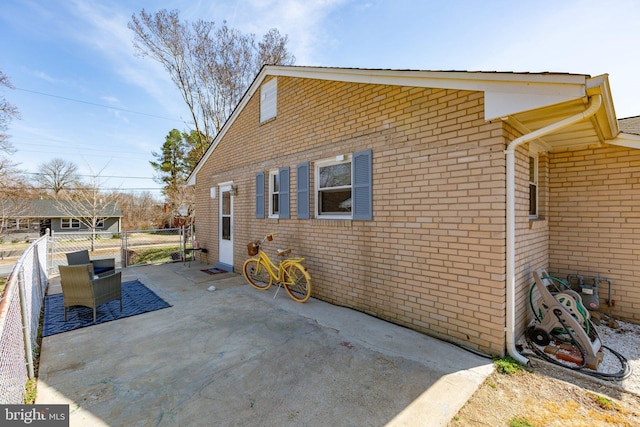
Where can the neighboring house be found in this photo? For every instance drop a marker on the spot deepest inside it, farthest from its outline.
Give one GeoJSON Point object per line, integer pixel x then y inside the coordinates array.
{"type": "Point", "coordinates": [31, 218]}
{"type": "Point", "coordinates": [428, 198]}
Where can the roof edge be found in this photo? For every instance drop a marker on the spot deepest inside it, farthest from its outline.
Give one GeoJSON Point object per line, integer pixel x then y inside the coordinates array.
{"type": "Point", "coordinates": [505, 92]}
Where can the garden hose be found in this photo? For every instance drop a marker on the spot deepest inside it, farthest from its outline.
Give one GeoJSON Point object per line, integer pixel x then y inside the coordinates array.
{"type": "Point", "coordinates": [623, 373]}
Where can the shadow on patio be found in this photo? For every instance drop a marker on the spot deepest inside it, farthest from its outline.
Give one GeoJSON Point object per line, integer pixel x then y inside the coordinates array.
{"type": "Point", "coordinates": [237, 357]}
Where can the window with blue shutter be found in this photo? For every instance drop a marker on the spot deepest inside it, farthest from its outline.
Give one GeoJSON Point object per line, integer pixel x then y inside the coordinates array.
{"type": "Point", "coordinates": [260, 195]}
{"type": "Point", "coordinates": [302, 190]}
{"type": "Point", "coordinates": [361, 188]}
{"type": "Point", "coordinates": [284, 192]}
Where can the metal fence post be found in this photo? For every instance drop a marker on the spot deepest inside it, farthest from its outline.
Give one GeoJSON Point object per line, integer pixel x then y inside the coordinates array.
{"type": "Point", "coordinates": [26, 325]}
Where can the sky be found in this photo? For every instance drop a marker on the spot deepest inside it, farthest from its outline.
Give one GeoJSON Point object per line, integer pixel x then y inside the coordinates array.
{"type": "Point", "coordinates": [85, 96]}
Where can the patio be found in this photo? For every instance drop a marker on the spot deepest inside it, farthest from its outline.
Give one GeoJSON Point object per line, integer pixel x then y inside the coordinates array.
{"type": "Point", "coordinates": [237, 356]}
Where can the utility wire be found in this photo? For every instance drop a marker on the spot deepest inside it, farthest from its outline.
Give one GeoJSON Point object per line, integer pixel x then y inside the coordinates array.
{"type": "Point", "coordinates": [98, 105]}
{"type": "Point", "coordinates": [91, 176]}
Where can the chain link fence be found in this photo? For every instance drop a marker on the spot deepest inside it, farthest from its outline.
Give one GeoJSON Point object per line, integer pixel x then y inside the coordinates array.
{"type": "Point", "coordinates": [153, 246]}
{"type": "Point", "coordinates": [129, 248]}
{"type": "Point", "coordinates": [24, 291]}
{"type": "Point", "coordinates": [99, 244]}
{"type": "Point", "coordinates": [19, 319]}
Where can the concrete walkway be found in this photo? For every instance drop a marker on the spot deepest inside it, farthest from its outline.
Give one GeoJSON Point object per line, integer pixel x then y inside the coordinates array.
{"type": "Point", "coordinates": [237, 356]}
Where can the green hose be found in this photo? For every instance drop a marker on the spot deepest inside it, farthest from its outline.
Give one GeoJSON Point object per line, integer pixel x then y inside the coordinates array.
{"type": "Point", "coordinates": [579, 306]}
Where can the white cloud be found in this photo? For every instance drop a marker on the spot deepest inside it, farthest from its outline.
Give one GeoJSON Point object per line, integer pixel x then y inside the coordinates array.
{"type": "Point", "coordinates": [110, 99]}
{"type": "Point", "coordinates": [105, 30]}
{"type": "Point", "coordinates": [44, 76]}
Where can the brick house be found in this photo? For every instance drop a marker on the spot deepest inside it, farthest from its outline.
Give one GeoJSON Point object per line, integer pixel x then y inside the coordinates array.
{"type": "Point", "coordinates": [28, 219]}
{"type": "Point", "coordinates": [428, 198]}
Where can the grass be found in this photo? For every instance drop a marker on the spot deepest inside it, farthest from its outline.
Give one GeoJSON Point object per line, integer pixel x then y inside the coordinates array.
{"type": "Point", "coordinates": [3, 280]}
{"type": "Point", "coordinates": [508, 366]}
{"type": "Point", "coordinates": [30, 387]}
{"type": "Point", "coordinates": [603, 402]}
{"type": "Point", "coordinates": [154, 255]}
{"type": "Point", "coordinates": [519, 422]}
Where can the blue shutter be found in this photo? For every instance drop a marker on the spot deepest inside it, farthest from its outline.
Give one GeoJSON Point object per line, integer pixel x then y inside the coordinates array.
{"type": "Point", "coordinates": [260, 195]}
{"type": "Point", "coordinates": [284, 193]}
{"type": "Point", "coordinates": [302, 188]}
{"type": "Point", "coordinates": [361, 188]}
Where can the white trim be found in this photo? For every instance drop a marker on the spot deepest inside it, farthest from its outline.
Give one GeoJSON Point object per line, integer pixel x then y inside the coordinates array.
{"type": "Point", "coordinates": [225, 247]}
{"type": "Point", "coordinates": [271, 174]}
{"type": "Point", "coordinates": [505, 93]}
{"type": "Point", "coordinates": [628, 140]}
{"type": "Point", "coordinates": [70, 221]}
{"type": "Point", "coordinates": [347, 158]}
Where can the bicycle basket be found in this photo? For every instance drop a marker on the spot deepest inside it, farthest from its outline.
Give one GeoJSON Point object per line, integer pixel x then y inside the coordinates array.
{"type": "Point", "coordinates": [252, 248]}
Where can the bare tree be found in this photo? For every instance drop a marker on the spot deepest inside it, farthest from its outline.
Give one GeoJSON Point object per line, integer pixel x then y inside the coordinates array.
{"type": "Point", "coordinates": [89, 205]}
{"type": "Point", "coordinates": [10, 177]}
{"type": "Point", "coordinates": [140, 211]}
{"type": "Point", "coordinates": [57, 175]}
{"type": "Point", "coordinates": [211, 67]}
{"type": "Point", "coordinates": [8, 111]}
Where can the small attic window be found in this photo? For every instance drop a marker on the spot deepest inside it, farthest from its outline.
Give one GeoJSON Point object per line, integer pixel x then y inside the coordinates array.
{"type": "Point", "coordinates": [268, 98]}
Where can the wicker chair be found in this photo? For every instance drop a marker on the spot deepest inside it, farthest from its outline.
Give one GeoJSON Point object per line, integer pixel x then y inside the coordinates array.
{"type": "Point", "coordinates": [101, 267]}
{"type": "Point", "coordinates": [79, 287]}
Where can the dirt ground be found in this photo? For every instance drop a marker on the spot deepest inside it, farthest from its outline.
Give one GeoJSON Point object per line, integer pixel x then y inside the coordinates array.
{"type": "Point", "coordinates": [548, 396]}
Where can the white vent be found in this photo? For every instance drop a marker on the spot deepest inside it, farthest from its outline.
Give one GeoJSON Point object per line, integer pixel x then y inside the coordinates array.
{"type": "Point", "coordinates": [268, 98]}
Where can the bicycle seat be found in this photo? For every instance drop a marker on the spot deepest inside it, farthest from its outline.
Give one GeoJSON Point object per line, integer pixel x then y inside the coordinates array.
{"type": "Point", "coordinates": [283, 252]}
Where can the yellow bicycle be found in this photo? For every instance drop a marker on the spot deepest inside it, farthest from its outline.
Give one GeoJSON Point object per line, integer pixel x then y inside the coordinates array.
{"type": "Point", "coordinates": [261, 272]}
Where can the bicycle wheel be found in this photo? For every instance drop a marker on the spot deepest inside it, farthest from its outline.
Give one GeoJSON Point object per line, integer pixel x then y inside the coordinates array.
{"type": "Point", "coordinates": [297, 282]}
{"type": "Point", "coordinates": [256, 274]}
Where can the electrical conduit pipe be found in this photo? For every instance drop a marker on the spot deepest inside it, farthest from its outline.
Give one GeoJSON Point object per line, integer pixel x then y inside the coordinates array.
{"type": "Point", "coordinates": [594, 106]}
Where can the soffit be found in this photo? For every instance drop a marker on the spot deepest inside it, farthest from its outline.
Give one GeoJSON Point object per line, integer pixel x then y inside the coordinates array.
{"type": "Point", "coordinates": [597, 129]}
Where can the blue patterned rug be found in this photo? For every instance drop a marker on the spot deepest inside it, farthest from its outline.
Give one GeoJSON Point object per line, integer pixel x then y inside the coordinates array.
{"type": "Point", "coordinates": [136, 299]}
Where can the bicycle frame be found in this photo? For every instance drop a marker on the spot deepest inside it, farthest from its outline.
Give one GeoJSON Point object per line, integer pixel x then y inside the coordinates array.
{"type": "Point", "coordinates": [276, 271]}
{"type": "Point", "coordinates": [261, 272]}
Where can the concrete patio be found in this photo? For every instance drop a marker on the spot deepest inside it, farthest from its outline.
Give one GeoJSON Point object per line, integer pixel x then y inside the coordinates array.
{"type": "Point", "coordinates": [237, 356]}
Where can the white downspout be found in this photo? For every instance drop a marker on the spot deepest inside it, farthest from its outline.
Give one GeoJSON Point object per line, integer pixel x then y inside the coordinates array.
{"type": "Point", "coordinates": [594, 106]}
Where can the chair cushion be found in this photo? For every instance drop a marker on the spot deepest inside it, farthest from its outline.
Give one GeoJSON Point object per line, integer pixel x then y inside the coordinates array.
{"type": "Point", "coordinates": [100, 270]}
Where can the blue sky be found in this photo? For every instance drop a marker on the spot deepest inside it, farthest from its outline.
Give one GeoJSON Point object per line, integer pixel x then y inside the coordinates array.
{"type": "Point", "coordinates": [86, 97]}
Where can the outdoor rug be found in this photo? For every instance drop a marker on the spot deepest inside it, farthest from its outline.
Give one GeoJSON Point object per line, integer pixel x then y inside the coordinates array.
{"type": "Point", "coordinates": [136, 299]}
{"type": "Point", "coordinates": [214, 270]}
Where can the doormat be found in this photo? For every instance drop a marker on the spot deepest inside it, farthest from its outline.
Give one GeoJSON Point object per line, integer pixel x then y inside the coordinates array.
{"type": "Point", "coordinates": [136, 299]}
{"type": "Point", "coordinates": [214, 270]}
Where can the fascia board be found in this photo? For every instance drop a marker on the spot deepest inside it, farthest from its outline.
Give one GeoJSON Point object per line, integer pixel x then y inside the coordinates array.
{"type": "Point", "coordinates": [505, 93]}
{"type": "Point", "coordinates": [628, 140]}
{"type": "Point", "coordinates": [606, 117]}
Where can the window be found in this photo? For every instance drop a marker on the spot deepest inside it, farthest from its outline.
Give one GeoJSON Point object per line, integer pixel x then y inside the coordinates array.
{"type": "Point", "coordinates": [274, 194]}
{"type": "Point", "coordinates": [333, 195]}
{"type": "Point", "coordinates": [69, 223]}
{"type": "Point", "coordinates": [268, 100]}
{"type": "Point", "coordinates": [278, 186]}
{"type": "Point", "coordinates": [533, 187]}
{"type": "Point", "coordinates": [100, 223]}
{"type": "Point", "coordinates": [343, 187]}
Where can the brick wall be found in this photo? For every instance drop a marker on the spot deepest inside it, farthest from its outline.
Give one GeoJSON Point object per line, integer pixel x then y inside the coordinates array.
{"type": "Point", "coordinates": [433, 258]}
{"type": "Point", "coordinates": [595, 221]}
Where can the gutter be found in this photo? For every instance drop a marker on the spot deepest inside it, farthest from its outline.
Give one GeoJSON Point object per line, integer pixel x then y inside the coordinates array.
{"type": "Point", "coordinates": [594, 106]}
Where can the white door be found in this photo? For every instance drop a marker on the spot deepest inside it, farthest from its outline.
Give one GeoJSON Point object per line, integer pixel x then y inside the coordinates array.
{"type": "Point", "coordinates": [225, 251]}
